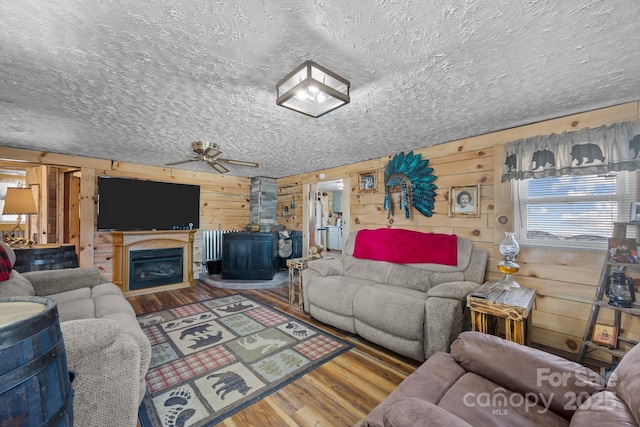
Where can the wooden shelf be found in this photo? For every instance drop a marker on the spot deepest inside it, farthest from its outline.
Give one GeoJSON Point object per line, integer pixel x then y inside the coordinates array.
{"type": "Point", "coordinates": [619, 231]}
{"type": "Point", "coordinates": [629, 310]}
{"type": "Point", "coordinates": [612, 351]}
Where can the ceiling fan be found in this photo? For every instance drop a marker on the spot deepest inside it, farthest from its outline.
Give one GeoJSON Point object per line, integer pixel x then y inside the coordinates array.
{"type": "Point", "coordinates": [209, 152]}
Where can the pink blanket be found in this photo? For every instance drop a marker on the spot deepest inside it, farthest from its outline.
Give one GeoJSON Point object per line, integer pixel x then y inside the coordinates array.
{"type": "Point", "coordinates": [406, 246]}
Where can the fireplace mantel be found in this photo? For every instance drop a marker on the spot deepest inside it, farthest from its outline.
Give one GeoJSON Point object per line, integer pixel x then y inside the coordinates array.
{"type": "Point", "coordinates": [126, 241]}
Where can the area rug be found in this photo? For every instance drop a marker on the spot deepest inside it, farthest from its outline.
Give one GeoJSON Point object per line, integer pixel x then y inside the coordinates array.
{"type": "Point", "coordinates": [214, 358]}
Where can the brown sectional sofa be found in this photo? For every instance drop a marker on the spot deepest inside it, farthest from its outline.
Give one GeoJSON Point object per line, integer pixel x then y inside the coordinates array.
{"type": "Point", "coordinates": [104, 344]}
{"type": "Point", "coordinates": [488, 381]}
{"type": "Point", "coordinates": [412, 309]}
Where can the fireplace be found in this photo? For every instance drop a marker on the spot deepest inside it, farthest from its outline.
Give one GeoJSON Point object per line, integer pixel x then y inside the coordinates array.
{"type": "Point", "coordinates": [155, 267]}
{"type": "Point", "coordinates": [153, 254]}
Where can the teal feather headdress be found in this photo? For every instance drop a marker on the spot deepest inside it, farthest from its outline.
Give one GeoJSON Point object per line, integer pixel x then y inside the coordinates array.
{"type": "Point", "coordinates": [415, 179]}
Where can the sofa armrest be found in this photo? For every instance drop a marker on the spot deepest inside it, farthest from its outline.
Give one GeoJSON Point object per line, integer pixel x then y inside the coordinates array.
{"type": "Point", "coordinates": [106, 363]}
{"type": "Point", "coordinates": [453, 290]}
{"type": "Point", "coordinates": [526, 370]}
{"type": "Point", "coordinates": [87, 336]}
{"type": "Point", "coordinates": [326, 266]}
{"type": "Point", "coordinates": [48, 282]}
{"type": "Point", "coordinates": [411, 412]}
{"type": "Point", "coordinates": [601, 409]}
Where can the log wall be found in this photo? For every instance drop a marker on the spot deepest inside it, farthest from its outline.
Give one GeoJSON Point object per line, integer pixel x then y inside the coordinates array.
{"type": "Point", "coordinates": [224, 200]}
{"type": "Point", "coordinates": [565, 280]}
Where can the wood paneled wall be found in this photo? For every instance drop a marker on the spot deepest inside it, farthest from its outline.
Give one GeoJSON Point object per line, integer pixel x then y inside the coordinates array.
{"type": "Point", "coordinates": [224, 200]}
{"type": "Point", "coordinates": [224, 205]}
{"type": "Point", "coordinates": [565, 280]}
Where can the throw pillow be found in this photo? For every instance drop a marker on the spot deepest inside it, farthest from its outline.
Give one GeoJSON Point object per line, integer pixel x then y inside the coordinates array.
{"type": "Point", "coordinates": [5, 264]}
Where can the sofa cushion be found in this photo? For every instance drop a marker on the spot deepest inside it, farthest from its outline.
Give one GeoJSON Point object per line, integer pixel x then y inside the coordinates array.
{"type": "Point", "coordinates": [110, 304]}
{"type": "Point", "coordinates": [73, 295]}
{"type": "Point", "coordinates": [398, 311]}
{"type": "Point", "coordinates": [416, 278]}
{"type": "Point", "coordinates": [377, 271]}
{"type": "Point", "coordinates": [412, 412]}
{"type": "Point", "coordinates": [45, 282]}
{"type": "Point", "coordinates": [76, 309]}
{"type": "Point", "coordinates": [482, 402]}
{"type": "Point", "coordinates": [336, 293]}
{"type": "Point", "coordinates": [16, 286]}
{"type": "Point", "coordinates": [105, 289]}
{"type": "Point", "coordinates": [625, 381]}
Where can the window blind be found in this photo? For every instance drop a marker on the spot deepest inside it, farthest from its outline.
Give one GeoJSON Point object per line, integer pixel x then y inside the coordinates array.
{"type": "Point", "coordinates": [572, 211]}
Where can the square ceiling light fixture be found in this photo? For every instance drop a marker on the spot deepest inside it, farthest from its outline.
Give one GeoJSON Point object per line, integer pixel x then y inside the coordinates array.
{"type": "Point", "coordinates": [312, 90]}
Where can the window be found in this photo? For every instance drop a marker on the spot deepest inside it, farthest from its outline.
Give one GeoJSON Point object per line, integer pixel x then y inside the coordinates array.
{"type": "Point", "coordinates": [575, 211]}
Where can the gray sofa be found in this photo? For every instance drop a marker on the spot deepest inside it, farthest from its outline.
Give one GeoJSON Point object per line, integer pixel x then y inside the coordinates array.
{"type": "Point", "coordinates": [104, 344]}
{"type": "Point", "coordinates": [489, 381]}
{"type": "Point", "coordinates": [412, 309]}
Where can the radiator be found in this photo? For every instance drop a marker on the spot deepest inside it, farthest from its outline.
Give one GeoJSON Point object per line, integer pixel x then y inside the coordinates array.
{"type": "Point", "coordinates": [212, 245]}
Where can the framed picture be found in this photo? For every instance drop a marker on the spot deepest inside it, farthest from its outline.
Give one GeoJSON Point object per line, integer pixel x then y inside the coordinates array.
{"type": "Point", "coordinates": [635, 212]}
{"type": "Point", "coordinates": [606, 335]}
{"type": "Point", "coordinates": [367, 182]}
{"type": "Point", "coordinates": [464, 201]}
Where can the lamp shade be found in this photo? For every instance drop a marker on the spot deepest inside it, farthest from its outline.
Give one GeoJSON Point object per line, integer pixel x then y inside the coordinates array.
{"type": "Point", "coordinates": [19, 201]}
{"type": "Point", "coordinates": [312, 90]}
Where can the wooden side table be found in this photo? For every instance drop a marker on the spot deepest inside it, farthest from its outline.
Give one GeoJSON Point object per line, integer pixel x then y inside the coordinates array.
{"type": "Point", "coordinates": [489, 302]}
{"type": "Point", "coordinates": [296, 266]}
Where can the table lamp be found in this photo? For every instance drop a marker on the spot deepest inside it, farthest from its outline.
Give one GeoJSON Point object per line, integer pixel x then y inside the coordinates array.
{"type": "Point", "coordinates": [18, 201]}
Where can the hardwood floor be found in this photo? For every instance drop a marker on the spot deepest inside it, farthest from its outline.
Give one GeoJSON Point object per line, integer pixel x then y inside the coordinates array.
{"type": "Point", "coordinates": [339, 393]}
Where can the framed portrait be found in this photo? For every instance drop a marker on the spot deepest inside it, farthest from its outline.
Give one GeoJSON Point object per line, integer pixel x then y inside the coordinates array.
{"type": "Point", "coordinates": [464, 201]}
{"type": "Point", "coordinates": [635, 212]}
{"type": "Point", "coordinates": [367, 182]}
{"type": "Point", "coordinates": [605, 335]}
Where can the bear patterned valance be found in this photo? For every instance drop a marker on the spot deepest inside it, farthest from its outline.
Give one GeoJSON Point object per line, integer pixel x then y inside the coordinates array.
{"type": "Point", "coordinates": [584, 152]}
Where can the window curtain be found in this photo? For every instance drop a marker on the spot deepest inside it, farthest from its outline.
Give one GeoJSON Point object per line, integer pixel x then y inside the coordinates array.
{"type": "Point", "coordinates": [585, 152]}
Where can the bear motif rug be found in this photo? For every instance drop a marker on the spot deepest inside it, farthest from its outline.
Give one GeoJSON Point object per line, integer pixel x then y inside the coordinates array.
{"type": "Point", "coordinates": [214, 358]}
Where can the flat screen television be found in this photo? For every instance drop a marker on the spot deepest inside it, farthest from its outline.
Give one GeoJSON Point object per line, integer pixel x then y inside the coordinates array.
{"type": "Point", "coordinates": [130, 204]}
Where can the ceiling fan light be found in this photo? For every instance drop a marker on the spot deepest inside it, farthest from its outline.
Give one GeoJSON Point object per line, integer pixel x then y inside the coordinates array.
{"type": "Point", "coordinates": [296, 90]}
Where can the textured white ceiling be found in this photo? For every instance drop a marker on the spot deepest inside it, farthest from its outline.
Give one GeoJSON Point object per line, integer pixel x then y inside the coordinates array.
{"type": "Point", "coordinates": [139, 80]}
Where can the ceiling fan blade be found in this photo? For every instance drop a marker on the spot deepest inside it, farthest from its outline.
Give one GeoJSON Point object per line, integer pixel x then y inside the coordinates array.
{"type": "Point", "coordinates": [240, 163]}
{"type": "Point", "coordinates": [212, 152]}
{"type": "Point", "coordinates": [181, 162]}
{"type": "Point", "coordinates": [217, 166]}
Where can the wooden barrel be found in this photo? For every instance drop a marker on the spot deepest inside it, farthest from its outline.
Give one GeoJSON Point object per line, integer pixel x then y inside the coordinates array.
{"type": "Point", "coordinates": [46, 257]}
{"type": "Point", "coordinates": [35, 389]}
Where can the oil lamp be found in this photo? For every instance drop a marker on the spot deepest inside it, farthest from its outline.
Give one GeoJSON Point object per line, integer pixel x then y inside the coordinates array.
{"type": "Point", "coordinates": [509, 248]}
{"type": "Point", "coordinates": [620, 290]}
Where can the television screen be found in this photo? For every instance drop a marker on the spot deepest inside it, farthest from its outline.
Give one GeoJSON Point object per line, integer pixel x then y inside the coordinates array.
{"type": "Point", "coordinates": [131, 204]}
